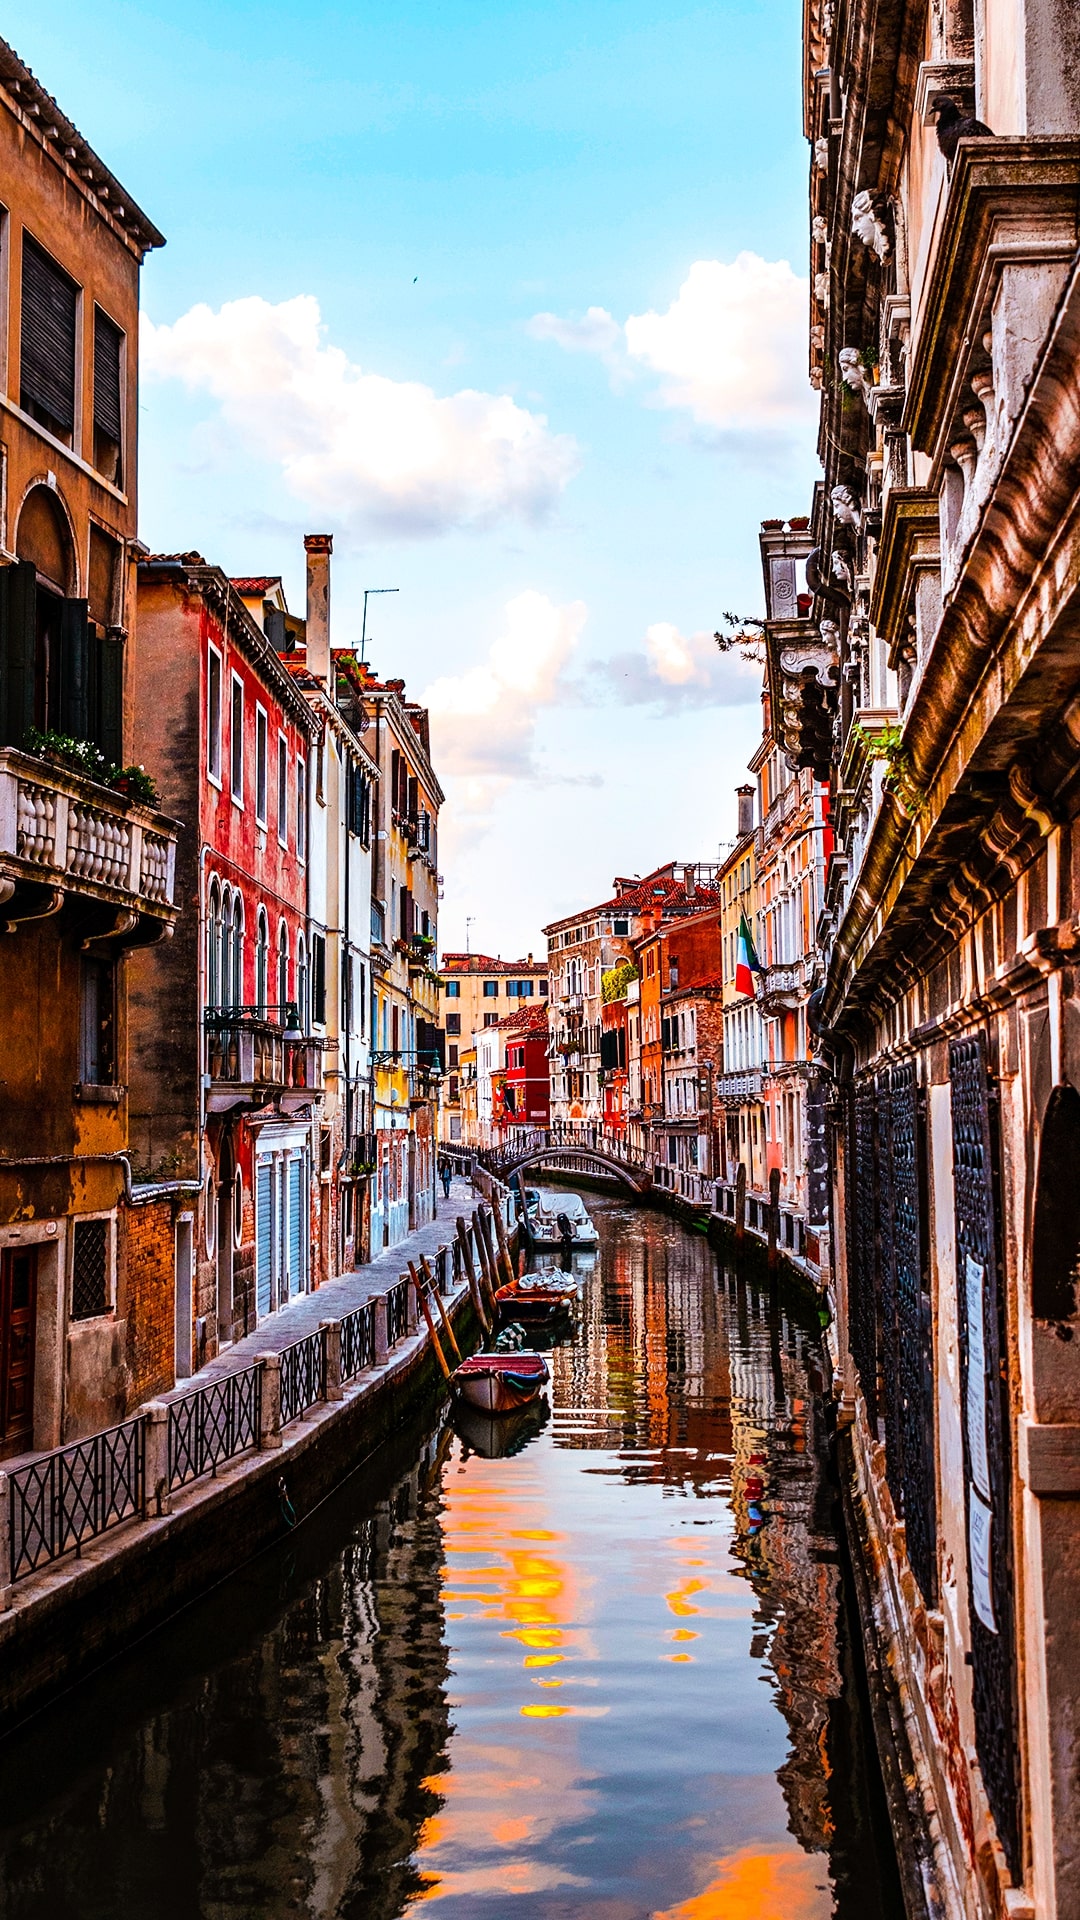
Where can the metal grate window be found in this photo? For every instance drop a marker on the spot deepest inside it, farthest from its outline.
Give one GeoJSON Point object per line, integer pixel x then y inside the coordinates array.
{"type": "Point", "coordinates": [90, 1269]}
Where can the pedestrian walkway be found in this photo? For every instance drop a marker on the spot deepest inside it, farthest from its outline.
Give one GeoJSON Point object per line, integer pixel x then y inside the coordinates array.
{"type": "Point", "coordinates": [335, 1298]}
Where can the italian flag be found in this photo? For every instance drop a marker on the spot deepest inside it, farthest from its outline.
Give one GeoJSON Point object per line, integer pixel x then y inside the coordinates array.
{"type": "Point", "coordinates": [746, 960]}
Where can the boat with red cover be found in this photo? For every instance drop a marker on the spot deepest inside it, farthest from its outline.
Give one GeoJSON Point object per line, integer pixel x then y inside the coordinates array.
{"type": "Point", "coordinates": [500, 1382]}
{"type": "Point", "coordinates": [538, 1296]}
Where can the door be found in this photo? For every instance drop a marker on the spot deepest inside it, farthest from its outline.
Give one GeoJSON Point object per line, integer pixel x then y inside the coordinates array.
{"type": "Point", "coordinates": [18, 1308]}
{"type": "Point", "coordinates": [296, 1238]}
{"type": "Point", "coordinates": [225, 1203]}
{"type": "Point", "coordinates": [264, 1235]}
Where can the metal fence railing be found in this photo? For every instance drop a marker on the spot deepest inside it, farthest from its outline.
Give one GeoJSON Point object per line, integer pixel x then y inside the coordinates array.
{"type": "Point", "coordinates": [397, 1312]}
{"type": "Point", "coordinates": [74, 1494]}
{"type": "Point", "coordinates": [303, 1376]}
{"type": "Point", "coordinates": [214, 1424]}
{"type": "Point", "coordinates": [357, 1341]}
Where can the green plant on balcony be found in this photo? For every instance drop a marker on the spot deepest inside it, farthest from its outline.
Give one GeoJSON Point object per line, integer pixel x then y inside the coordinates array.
{"type": "Point", "coordinates": [887, 744]}
{"type": "Point", "coordinates": [83, 757]}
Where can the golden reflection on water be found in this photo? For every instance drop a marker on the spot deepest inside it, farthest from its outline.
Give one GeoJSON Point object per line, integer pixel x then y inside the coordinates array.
{"type": "Point", "coordinates": [635, 1528]}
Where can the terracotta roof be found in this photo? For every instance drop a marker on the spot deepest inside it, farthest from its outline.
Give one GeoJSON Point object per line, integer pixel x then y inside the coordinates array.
{"type": "Point", "coordinates": [662, 889]}
{"type": "Point", "coordinates": [250, 584]}
{"type": "Point", "coordinates": [74, 155]}
{"type": "Point", "coordinates": [532, 1018]}
{"type": "Point", "coordinates": [485, 963]}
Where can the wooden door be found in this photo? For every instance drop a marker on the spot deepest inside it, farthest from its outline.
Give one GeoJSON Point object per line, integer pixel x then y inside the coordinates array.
{"type": "Point", "coordinates": [18, 1309]}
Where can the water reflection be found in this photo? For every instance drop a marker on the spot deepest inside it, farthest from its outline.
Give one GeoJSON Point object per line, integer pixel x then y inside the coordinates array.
{"type": "Point", "coordinates": [593, 1662]}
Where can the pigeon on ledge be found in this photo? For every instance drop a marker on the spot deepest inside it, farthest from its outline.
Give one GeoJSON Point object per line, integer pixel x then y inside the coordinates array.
{"type": "Point", "coordinates": [954, 126]}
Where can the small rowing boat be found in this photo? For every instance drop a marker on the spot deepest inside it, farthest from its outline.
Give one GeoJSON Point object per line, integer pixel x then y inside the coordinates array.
{"type": "Point", "coordinates": [538, 1296]}
{"type": "Point", "coordinates": [500, 1382]}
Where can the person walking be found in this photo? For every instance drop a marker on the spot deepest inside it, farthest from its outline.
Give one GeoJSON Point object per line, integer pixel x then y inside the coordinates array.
{"type": "Point", "coordinates": [445, 1174]}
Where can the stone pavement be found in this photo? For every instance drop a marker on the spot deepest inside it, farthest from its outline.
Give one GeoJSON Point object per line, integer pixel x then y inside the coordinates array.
{"type": "Point", "coordinates": [335, 1298]}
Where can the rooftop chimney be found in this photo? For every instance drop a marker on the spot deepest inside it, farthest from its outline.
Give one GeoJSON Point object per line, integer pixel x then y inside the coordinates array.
{"type": "Point", "coordinates": [745, 797]}
{"type": "Point", "coordinates": [689, 879]}
{"type": "Point", "coordinates": [318, 547]}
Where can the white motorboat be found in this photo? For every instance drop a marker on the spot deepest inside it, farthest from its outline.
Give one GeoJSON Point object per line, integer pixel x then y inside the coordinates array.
{"type": "Point", "coordinates": [556, 1220]}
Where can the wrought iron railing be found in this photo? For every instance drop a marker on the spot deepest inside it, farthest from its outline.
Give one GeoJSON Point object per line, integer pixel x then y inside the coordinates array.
{"type": "Point", "coordinates": [303, 1376]}
{"type": "Point", "coordinates": [358, 1341]}
{"type": "Point", "coordinates": [397, 1312]}
{"type": "Point", "coordinates": [74, 1494]}
{"type": "Point", "coordinates": [213, 1424]}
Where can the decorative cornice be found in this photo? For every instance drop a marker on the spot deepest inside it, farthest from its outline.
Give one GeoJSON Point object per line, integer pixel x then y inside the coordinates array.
{"type": "Point", "coordinates": [910, 539]}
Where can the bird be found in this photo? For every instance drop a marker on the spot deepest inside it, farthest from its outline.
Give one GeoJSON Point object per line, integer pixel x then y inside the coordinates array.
{"type": "Point", "coordinates": [954, 126]}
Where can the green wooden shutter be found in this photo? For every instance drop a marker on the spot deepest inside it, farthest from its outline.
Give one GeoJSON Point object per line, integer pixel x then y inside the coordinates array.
{"type": "Point", "coordinates": [18, 634]}
{"type": "Point", "coordinates": [74, 670]}
{"type": "Point", "coordinates": [109, 720]}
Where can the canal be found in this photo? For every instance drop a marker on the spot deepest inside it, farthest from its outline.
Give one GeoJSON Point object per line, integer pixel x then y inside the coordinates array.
{"type": "Point", "coordinates": [602, 1667]}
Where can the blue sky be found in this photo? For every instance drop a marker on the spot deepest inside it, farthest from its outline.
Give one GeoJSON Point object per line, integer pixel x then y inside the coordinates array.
{"type": "Point", "coordinates": [386, 227]}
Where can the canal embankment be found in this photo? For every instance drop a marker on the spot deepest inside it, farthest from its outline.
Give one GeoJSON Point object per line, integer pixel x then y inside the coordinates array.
{"type": "Point", "coordinates": [103, 1541]}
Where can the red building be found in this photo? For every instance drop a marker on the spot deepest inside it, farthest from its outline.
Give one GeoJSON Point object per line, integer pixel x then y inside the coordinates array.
{"type": "Point", "coordinates": [520, 1095]}
{"type": "Point", "coordinates": [225, 1062]}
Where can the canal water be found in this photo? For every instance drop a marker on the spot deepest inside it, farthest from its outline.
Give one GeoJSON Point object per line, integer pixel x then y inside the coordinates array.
{"type": "Point", "coordinates": [598, 1664]}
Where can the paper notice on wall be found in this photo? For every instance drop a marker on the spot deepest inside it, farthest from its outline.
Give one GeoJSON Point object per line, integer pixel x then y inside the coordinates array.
{"type": "Point", "coordinates": [980, 1544]}
{"type": "Point", "coordinates": [976, 1377]}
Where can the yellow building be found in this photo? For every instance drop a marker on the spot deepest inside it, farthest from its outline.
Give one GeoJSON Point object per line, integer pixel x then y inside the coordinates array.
{"type": "Point", "coordinates": [476, 991]}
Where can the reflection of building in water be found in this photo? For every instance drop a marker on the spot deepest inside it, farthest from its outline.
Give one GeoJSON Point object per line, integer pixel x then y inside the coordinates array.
{"type": "Point", "coordinates": [780, 1501]}
{"type": "Point", "coordinates": [291, 1778]}
{"type": "Point", "coordinates": [647, 1371]}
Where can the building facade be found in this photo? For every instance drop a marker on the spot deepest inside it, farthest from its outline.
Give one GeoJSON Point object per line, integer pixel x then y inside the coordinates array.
{"type": "Point", "coordinates": [934, 680]}
{"type": "Point", "coordinates": [229, 1019]}
{"type": "Point", "coordinates": [87, 862]}
{"type": "Point", "coordinates": [476, 991]}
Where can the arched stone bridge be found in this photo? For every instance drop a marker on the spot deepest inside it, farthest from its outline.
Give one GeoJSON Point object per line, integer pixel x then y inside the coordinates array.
{"type": "Point", "coordinates": [568, 1150]}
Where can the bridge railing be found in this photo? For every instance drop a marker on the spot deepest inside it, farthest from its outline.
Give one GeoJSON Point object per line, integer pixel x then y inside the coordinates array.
{"type": "Point", "coordinates": [563, 1136]}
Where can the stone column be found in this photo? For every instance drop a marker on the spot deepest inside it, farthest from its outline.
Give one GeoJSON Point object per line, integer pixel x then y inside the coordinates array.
{"type": "Point", "coordinates": [157, 1494]}
{"type": "Point", "coordinates": [331, 1333]}
{"type": "Point", "coordinates": [382, 1348]}
{"type": "Point", "coordinates": [412, 1311]}
{"type": "Point", "coordinates": [270, 1409]}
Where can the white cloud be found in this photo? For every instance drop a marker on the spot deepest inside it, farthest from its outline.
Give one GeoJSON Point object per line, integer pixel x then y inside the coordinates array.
{"type": "Point", "coordinates": [484, 719]}
{"type": "Point", "coordinates": [383, 455]}
{"type": "Point", "coordinates": [674, 671]}
{"type": "Point", "coordinates": [729, 350]}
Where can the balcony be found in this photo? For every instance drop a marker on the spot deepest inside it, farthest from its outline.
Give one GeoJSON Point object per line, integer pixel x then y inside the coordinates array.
{"type": "Point", "coordinates": [253, 1061]}
{"type": "Point", "coordinates": [804, 680]}
{"type": "Point", "coordinates": [782, 989]}
{"type": "Point", "coordinates": [739, 1086]}
{"type": "Point", "coordinates": [63, 834]}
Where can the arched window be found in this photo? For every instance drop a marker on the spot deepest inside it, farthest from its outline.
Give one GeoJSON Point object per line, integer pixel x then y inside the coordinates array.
{"type": "Point", "coordinates": [236, 983]}
{"type": "Point", "coordinates": [213, 947]}
{"type": "Point", "coordinates": [262, 958]}
{"type": "Point", "coordinates": [302, 982]}
{"type": "Point", "coordinates": [282, 970]}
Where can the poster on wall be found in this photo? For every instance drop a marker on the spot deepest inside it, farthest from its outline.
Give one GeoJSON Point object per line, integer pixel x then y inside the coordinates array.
{"type": "Point", "coordinates": [980, 1544]}
{"type": "Point", "coordinates": [976, 1377]}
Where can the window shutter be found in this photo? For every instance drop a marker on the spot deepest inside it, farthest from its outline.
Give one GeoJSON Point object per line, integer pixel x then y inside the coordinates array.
{"type": "Point", "coordinates": [18, 620]}
{"type": "Point", "coordinates": [74, 670]}
{"type": "Point", "coordinates": [107, 725]}
{"type": "Point", "coordinates": [108, 341]}
{"type": "Point", "coordinates": [318, 978]}
{"type": "Point", "coordinates": [47, 372]}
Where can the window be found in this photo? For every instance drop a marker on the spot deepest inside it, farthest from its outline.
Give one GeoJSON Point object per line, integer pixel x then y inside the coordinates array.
{"type": "Point", "coordinates": [261, 773]}
{"type": "Point", "coordinates": [452, 1056]}
{"type": "Point", "coordinates": [452, 989]}
{"type": "Point", "coordinates": [491, 1019]}
{"type": "Point", "coordinates": [236, 741]}
{"type": "Point", "coordinates": [318, 978]}
{"type": "Point", "coordinates": [108, 397]}
{"type": "Point", "coordinates": [491, 989]}
{"type": "Point", "coordinates": [213, 947]}
{"type": "Point", "coordinates": [283, 790]}
{"type": "Point", "coordinates": [47, 369]}
{"type": "Point", "coordinates": [358, 805]}
{"type": "Point", "coordinates": [213, 714]}
{"type": "Point", "coordinates": [453, 1023]}
{"type": "Point", "coordinates": [90, 1269]}
{"type": "Point", "coordinates": [301, 810]}
{"type": "Point", "coordinates": [262, 961]}
{"type": "Point", "coordinates": [302, 983]}
{"type": "Point", "coordinates": [282, 970]}
{"type": "Point", "coordinates": [621, 926]}
{"type": "Point", "coordinates": [236, 971]}
{"type": "Point", "coordinates": [98, 1038]}
{"type": "Point", "coordinates": [378, 923]}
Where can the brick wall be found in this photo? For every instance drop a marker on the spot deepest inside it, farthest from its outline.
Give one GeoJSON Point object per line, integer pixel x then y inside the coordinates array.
{"type": "Point", "coordinates": [147, 1297]}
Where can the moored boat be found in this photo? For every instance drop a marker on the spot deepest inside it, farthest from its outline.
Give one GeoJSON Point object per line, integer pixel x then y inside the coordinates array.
{"type": "Point", "coordinates": [557, 1220]}
{"type": "Point", "coordinates": [538, 1296]}
{"type": "Point", "coordinates": [500, 1382]}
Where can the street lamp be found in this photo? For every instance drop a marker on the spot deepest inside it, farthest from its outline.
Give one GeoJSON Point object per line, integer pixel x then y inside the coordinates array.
{"type": "Point", "coordinates": [363, 629]}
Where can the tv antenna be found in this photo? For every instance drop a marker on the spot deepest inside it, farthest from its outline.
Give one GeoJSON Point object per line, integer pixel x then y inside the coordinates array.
{"type": "Point", "coordinates": [363, 629]}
